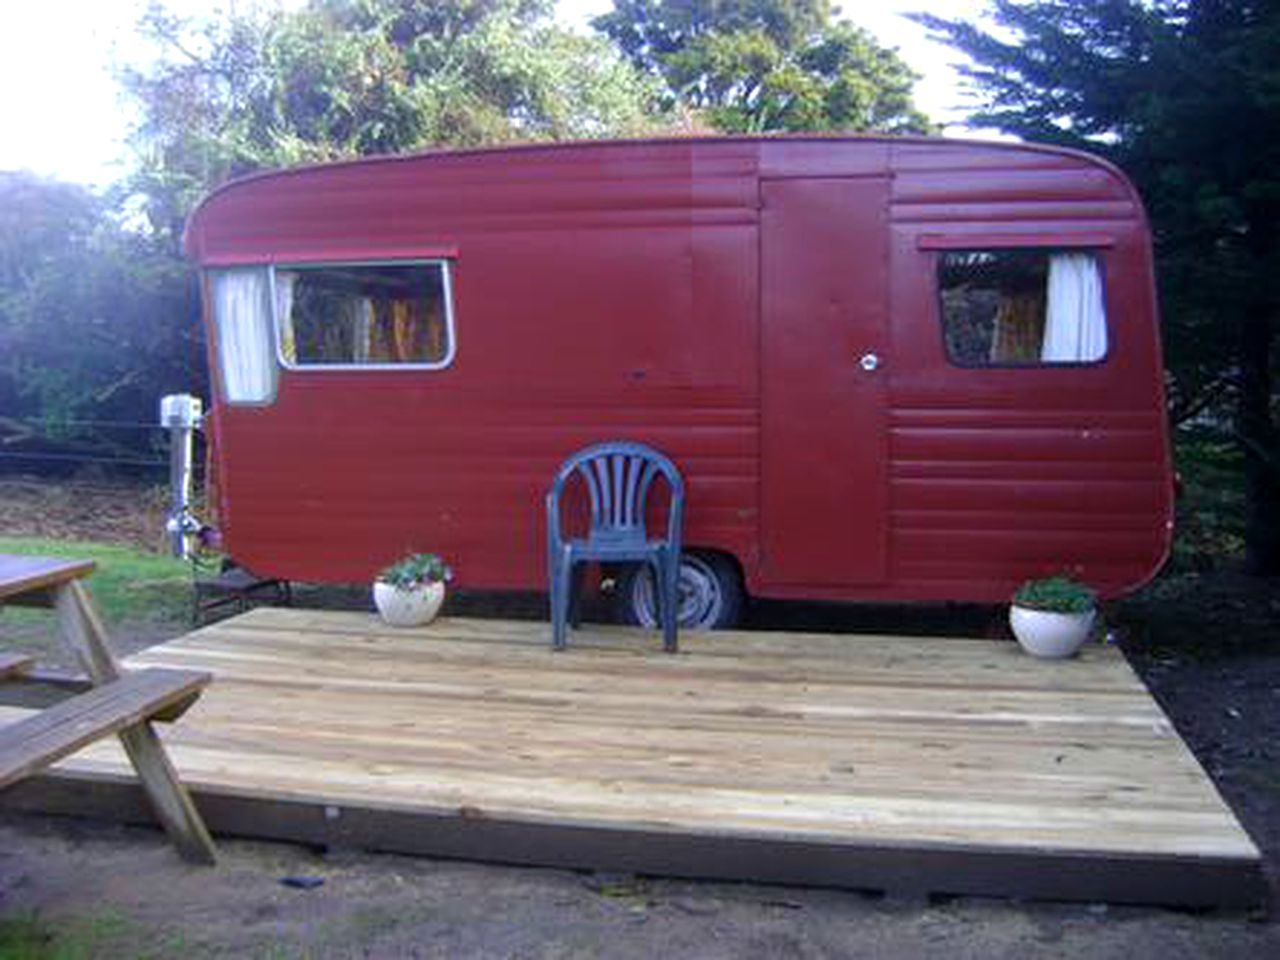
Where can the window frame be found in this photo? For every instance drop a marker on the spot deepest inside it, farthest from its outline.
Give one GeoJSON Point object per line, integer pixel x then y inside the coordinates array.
{"type": "Point", "coordinates": [446, 284]}
{"type": "Point", "coordinates": [1097, 251]}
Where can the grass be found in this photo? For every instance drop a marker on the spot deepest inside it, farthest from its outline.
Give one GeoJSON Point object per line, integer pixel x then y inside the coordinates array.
{"type": "Point", "coordinates": [101, 934]}
{"type": "Point", "coordinates": [129, 586]}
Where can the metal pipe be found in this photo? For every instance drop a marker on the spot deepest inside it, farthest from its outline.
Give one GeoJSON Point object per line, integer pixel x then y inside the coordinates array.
{"type": "Point", "coordinates": [182, 414]}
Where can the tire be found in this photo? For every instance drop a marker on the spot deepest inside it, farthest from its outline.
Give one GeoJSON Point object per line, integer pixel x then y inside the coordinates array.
{"type": "Point", "coordinates": [710, 593]}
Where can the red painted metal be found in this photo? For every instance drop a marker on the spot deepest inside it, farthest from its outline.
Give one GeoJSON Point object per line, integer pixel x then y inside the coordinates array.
{"type": "Point", "coordinates": [632, 290]}
{"type": "Point", "coordinates": [824, 305]}
{"type": "Point", "coordinates": [1014, 241]}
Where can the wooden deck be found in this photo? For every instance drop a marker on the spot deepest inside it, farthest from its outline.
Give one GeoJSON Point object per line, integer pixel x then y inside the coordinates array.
{"type": "Point", "coordinates": [907, 764]}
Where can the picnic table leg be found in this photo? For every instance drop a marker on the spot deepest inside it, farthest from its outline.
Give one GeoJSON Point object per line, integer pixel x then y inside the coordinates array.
{"type": "Point", "coordinates": [169, 798]}
{"type": "Point", "coordinates": [83, 631]}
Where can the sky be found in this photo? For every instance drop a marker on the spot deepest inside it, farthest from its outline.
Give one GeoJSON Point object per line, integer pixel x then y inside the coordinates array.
{"type": "Point", "coordinates": [60, 115]}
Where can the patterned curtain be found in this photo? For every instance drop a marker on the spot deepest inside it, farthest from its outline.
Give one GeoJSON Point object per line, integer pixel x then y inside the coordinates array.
{"type": "Point", "coordinates": [1019, 329]}
{"type": "Point", "coordinates": [285, 281]}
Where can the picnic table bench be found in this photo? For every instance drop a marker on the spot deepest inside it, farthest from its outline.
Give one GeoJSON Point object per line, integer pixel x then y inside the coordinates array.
{"type": "Point", "coordinates": [113, 702]}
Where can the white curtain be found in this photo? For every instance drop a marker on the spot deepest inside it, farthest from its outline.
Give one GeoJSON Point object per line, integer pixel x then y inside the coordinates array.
{"type": "Point", "coordinates": [1075, 329]}
{"type": "Point", "coordinates": [242, 313]}
{"type": "Point", "coordinates": [284, 282]}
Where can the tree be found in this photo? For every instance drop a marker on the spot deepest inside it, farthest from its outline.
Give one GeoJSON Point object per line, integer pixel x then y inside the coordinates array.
{"type": "Point", "coordinates": [94, 323]}
{"type": "Point", "coordinates": [1182, 95]}
{"type": "Point", "coordinates": [336, 79]}
{"type": "Point", "coordinates": [759, 65]}
{"type": "Point", "coordinates": [97, 307]}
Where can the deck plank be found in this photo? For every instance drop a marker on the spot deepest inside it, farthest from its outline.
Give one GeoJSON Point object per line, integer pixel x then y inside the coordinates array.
{"type": "Point", "coordinates": [883, 745]}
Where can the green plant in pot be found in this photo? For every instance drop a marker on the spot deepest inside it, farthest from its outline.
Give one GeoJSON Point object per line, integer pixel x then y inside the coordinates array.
{"type": "Point", "coordinates": [409, 592]}
{"type": "Point", "coordinates": [1052, 617]}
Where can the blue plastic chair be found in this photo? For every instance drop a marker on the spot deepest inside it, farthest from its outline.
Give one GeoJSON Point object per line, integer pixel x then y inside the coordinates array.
{"type": "Point", "coordinates": [618, 477]}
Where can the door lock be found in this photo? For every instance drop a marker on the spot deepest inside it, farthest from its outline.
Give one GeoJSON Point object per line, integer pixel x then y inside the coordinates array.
{"type": "Point", "coordinates": [869, 362]}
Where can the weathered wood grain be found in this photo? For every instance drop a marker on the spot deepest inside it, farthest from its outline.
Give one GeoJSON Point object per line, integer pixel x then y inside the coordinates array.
{"type": "Point", "coordinates": [22, 574]}
{"type": "Point", "coordinates": [42, 738]}
{"type": "Point", "coordinates": [72, 724]}
{"type": "Point", "coordinates": [14, 665]}
{"type": "Point", "coordinates": [755, 741]}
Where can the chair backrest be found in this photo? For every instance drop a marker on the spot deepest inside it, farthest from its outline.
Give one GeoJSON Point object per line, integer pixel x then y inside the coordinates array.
{"type": "Point", "coordinates": [618, 476]}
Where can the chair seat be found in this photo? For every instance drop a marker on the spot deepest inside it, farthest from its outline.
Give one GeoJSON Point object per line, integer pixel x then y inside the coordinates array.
{"type": "Point", "coordinates": [619, 551]}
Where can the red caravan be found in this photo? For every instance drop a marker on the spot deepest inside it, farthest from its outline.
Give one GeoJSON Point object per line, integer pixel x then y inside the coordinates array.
{"type": "Point", "coordinates": [889, 369]}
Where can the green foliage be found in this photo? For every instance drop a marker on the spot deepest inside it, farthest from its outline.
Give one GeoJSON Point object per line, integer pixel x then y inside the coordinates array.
{"type": "Point", "coordinates": [96, 321]}
{"type": "Point", "coordinates": [1182, 94]}
{"type": "Point", "coordinates": [750, 66]}
{"type": "Point", "coordinates": [1211, 505]}
{"type": "Point", "coordinates": [414, 570]}
{"type": "Point", "coordinates": [262, 88]}
{"type": "Point", "coordinates": [1058, 594]}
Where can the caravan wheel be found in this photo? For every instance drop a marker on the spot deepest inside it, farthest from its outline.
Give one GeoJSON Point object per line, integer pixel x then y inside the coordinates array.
{"type": "Point", "coordinates": [709, 591]}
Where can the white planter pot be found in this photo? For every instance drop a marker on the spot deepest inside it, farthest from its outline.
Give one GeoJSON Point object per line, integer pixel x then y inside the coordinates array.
{"type": "Point", "coordinates": [408, 608]}
{"type": "Point", "coordinates": [1043, 633]}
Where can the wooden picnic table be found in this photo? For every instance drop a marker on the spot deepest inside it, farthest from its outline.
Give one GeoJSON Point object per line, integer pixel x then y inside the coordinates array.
{"type": "Point", "coordinates": [119, 702]}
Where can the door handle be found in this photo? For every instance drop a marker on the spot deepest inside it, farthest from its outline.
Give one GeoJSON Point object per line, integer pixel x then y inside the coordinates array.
{"type": "Point", "coordinates": [869, 362]}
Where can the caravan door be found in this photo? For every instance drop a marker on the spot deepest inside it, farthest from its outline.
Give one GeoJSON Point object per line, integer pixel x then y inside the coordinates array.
{"type": "Point", "coordinates": [824, 368]}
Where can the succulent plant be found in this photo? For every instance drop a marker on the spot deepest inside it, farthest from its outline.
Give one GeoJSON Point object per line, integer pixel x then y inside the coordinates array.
{"type": "Point", "coordinates": [416, 569]}
{"type": "Point", "coordinates": [1058, 594]}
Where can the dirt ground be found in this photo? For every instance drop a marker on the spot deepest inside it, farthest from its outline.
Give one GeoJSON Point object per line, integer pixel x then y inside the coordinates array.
{"type": "Point", "coordinates": [101, 510]}
{"type": "Point", "coordinates": [125, 888]}
{"type": "Point", "coordinates": [1205, 643]}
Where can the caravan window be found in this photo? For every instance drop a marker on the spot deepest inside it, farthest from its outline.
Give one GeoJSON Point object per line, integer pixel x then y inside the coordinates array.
{"type": "Point", "coordinates": [1022, 307]}
{"type": "Point", "coordinates": [364, 315]}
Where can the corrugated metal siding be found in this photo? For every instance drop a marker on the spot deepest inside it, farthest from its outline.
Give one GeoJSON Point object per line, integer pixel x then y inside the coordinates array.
{"type": "Point", "coordinates": [1000, 474]}
{"type": "Point", "coordinates": [612, 291]}
{"type": "Point", "coordinates": [587, 286]}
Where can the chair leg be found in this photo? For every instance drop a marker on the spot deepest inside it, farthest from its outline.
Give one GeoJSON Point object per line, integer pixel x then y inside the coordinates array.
{"type": "Point", "coordinates": [670, 589]}
{"type": "Point", "coordinates": [553, 594]}
{"type": "Point", "coordinates": [561, 571]}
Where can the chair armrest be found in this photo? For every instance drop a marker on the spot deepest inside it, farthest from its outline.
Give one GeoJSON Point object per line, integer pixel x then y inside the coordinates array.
{"type": "Point", "coordinates": [675, 518]}
{"type": "Point", "coordinates": [553, 520]}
